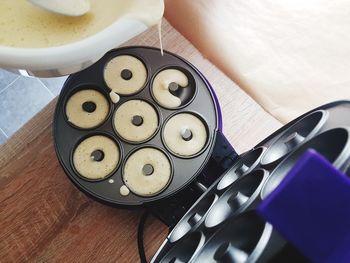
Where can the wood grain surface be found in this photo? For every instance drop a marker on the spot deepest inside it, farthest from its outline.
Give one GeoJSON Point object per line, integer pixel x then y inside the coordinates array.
{"type": "Point", "coordinates": [44, 218]}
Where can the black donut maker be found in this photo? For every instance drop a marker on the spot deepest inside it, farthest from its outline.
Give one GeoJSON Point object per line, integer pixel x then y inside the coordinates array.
{"type": "Point", "coordinates": [223, 225]}
{"type": "Point", "coordinates": [211, 198]}
{"type": "Point", "coordinates": [191, 175]}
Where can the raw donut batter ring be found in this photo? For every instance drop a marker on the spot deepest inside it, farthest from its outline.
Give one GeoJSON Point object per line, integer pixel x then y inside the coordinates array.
{"type": "Point", "coordinates": [136, 121]}
{"type": "Point", "coordinates": [165, 85]}
{"type": "Point", "coordinates": [185, 134]}
{"type": "Point", "coordinates": [147, 172]}
{"type": "Point", "coordinates": [96, 157]}
{"type": "Point", "coordinates": [125, 75]}
{"type": "Point", "coordinates": [87, 108]}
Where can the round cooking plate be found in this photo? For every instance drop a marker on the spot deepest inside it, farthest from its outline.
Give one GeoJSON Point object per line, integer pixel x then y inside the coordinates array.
{"type": "Point", "coordinates": [184, 170]}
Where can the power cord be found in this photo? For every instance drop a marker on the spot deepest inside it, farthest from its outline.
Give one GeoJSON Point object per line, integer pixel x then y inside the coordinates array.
{"type": "Point", "coordinates": [140, 230]}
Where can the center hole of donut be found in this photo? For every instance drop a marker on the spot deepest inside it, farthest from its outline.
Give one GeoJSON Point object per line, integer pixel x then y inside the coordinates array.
{"type": "Point", "coordinates": [173, 87]}
{"type": "Point", "coordinates": [147, 169]}
{"type": "Point", "coordinates": [137, 120]}
{"type": "Point", "coordinates": [126, 74]}
{"type": "Point", "coordinates": [293, 140]}
{"type": "Point", "coordinates": [89, 106]}
{"type": "Point", "coordinates": [186, 135]}
{"type": "Point", "coordinates": [221, 251]}
{"type": "Point", "coordinates": [97, 155]}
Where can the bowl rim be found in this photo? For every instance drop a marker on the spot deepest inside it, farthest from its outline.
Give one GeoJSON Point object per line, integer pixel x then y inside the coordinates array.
{"type": "Point", "coordinates": [70, 54]}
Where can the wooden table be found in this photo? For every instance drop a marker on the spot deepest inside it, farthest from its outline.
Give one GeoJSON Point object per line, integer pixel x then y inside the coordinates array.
{"type": "Point", "coordinates": [43, 217]}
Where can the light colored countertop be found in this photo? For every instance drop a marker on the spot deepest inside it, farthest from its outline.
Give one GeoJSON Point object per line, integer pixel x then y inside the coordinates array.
{"type": "Point", "coordinates": [290, 56]}
{"type": "Point", "coordinates": [43, 217]}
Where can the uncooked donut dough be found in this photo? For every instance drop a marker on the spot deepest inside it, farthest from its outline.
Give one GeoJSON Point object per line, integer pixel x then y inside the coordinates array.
{"type": "Point", "coordinates": [160, 87]}
{"type": "Point", "coordinates": [147, 185]}
{"type": "Point", "coordinates": [175, 129]}
{"type": "Point", "coordinates": [115, 98]}
{"type": "Point", "coordinates": [123, 118]}
{"type": "Point", "coordinates": [84, 119]}
{"type": "Point", "coordinates": [132, 83]}
{"type": "Point", "coordinates": [124, 190]}
{"type": "Point", "coordinates": [84, 163]}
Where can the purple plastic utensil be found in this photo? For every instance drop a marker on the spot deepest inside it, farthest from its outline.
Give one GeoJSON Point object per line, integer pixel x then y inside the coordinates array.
{"type": "Point", "coordinates": [311, 209]}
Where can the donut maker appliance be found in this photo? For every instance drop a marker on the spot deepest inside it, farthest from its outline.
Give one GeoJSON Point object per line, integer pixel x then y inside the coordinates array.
{"type": "Point", "coordinates": [191, 176]}
{"type": "Point", "coordinates": [210, 203]}
{"type": "Point", "coordinates": [223, 225]}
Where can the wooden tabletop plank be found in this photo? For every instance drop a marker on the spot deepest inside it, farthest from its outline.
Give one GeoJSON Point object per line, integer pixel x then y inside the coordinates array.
{"type": "Point", "coordinates": [43, 217]}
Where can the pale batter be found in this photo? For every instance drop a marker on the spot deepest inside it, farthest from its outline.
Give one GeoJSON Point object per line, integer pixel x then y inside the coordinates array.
{"type": "Point", "coordinates": [23, 24]}
{"type": "Point", "coordinates": [124, 190]}
{"type": "Point", "coordinates": [136, 120]}
{"type": "Point", "coordinates": [114, 97]}
{"type": "Point", "coordinates": [125, 75]}
{"type": "Point", "coordinates": [96, 157]}
{"type": "Point", "coordinates": [147, 172]}
{"type": "Point", "coordinates": [161, 84]}
{"type": "Point", "coordinates": [87, 108]}
{"type": "Point", "coordinates": [185, 134]}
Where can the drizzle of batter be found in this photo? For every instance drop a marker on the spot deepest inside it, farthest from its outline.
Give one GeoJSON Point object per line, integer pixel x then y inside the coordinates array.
{"type": "Point", "coordinates": [161, 85]}
{"type": "Point", "coordinates": [124, 190]}
{"type": "Point", "coordinates": [114, 97]}
{"type": "Point", "coordinates": [160, 37]}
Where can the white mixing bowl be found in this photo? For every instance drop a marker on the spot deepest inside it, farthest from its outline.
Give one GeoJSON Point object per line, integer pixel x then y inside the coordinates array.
{"type": "Point", "coordinates": [73, 57]}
